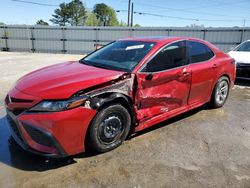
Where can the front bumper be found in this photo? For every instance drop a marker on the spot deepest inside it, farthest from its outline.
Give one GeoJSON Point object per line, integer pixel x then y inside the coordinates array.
{"type": "Point", "coordinates": [53, 134]}
{"type": "Point", "coordinates": [243, 71]}
{"type": "Point", "coordinates": [18, 136]}
{"type": "Point", "coordinates": [56, 134]}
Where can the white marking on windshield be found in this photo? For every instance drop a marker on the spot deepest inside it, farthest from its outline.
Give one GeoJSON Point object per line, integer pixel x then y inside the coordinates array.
{"type": "Point", "coordinates": [135, 47]}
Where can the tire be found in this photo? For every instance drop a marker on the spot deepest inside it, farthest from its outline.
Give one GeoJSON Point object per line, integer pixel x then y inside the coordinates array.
{"type": "Point", "coordinates": [220, 92]}
{"type": "Point", "coordinates": [109, 128]}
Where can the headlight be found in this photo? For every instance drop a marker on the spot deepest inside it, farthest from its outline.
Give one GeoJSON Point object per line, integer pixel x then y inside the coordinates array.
{"type": "Point", "coordinates": [55, 106]}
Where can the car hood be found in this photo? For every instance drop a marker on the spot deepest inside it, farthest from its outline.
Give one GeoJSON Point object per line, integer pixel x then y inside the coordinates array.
{"type": "Point", "coordinates": [240, 57]}
{"type": "Point", "coordinates": [62, 80]}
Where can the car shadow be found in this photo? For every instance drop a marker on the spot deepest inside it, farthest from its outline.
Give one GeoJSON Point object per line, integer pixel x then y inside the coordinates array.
{"type": "Point", "coordinates": [13, 155]}
{"type": "Point", "coordinates": [242, 82]}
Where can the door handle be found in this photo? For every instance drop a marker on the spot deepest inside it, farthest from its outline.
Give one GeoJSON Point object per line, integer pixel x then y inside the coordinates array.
{"type": "Point", "coordinates": [149, 77]}
{"type": "Point", "coordinates": [184, 72]}
{"type": "Point", "coordinates": [214, 66]}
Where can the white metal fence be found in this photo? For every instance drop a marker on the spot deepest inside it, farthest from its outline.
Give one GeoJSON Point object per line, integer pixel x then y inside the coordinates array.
{"type": "Point", "coordinates": [80, 40]}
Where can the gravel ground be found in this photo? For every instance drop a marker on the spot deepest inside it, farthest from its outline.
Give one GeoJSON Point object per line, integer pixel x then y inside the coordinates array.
{"type": "Point", "coordinates": [202, 148]}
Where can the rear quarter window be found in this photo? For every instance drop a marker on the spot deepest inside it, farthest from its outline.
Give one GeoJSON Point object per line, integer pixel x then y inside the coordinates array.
{"type": "Point", "coordinates": [199, 52]}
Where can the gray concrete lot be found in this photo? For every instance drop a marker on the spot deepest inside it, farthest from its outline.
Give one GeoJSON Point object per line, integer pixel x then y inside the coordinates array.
{"type": "Point", "coordinates": [14, 65]}
{"type": "Point", "coordinates": [202, 148]}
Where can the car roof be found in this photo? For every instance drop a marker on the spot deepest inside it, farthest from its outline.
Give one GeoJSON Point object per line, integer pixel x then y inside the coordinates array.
{"type": "Point", "coordinates": [164, 39]}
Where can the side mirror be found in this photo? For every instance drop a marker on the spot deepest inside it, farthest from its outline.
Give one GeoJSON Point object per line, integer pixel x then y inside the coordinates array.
{"type": "Point", "coordinates": [98, 46]}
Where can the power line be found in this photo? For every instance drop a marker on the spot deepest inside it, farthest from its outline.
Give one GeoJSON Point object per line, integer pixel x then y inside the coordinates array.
{"type": "Point", "coordinates": [159, 15]}
{"type": "Point", "coordinates": [182, 10]}
{"type": "Point", "coordinates": [182, 18]}
{"type": "Point", "coordinates": [36, 3]}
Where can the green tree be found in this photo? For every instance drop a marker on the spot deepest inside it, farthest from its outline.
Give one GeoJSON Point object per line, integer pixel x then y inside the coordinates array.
{"type": "Point", "coordinates": [122, 24]}
{"type": "Point", "coordinates": [137, 25]}
{"type": "Point", "coordinates": [61, 16]}
{"type": "Point", "coordinates": [194, 26]}
{"type": "Point", "coordinates": [77, 13]}
{"type": "Point", "coordinates": [73, 13]}
{"type": "Point", "coordinates": [41, 22]}
{"type": "Point", "coordinates": [1, 23]}
{"type": "Point", "coordinates": [106, 15]}
{"type": "Point", "coordinates": [92, 20]}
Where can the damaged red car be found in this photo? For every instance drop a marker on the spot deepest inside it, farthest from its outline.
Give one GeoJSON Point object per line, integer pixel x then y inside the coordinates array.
{"type": "Point", "coordinates": [124, 87]}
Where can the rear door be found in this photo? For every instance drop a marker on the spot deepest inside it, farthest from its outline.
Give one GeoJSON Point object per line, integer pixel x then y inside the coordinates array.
{"type": "Point", "coordinates": [164, 82]}
{"type": "Point", "coordinates": [203, 66]}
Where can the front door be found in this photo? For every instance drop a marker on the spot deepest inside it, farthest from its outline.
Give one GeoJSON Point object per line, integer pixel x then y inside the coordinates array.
{"type": "Point", "coordinates": [164, 82]}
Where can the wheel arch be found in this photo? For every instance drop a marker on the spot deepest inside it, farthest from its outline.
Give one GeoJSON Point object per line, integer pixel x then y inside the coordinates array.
{"type": "Point", "coordinates": [106, 99]}
{"type": "Point", "coordinates": [214, 85]}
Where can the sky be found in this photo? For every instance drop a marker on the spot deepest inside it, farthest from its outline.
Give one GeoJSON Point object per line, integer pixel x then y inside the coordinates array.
{"type": "Point", "coordinates": [159, 13]}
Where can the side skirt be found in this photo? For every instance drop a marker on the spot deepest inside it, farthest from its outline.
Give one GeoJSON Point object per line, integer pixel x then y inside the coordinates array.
{"type": "Point", "coordinates": [162, 117]}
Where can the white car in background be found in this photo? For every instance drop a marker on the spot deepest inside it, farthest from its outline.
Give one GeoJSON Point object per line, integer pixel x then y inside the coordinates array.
{"type": "Point", "coordinates": [241, 54]}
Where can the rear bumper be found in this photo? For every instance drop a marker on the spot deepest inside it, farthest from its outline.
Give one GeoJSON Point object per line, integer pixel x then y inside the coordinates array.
{"type": "Point", "coordinates": [57, 134]}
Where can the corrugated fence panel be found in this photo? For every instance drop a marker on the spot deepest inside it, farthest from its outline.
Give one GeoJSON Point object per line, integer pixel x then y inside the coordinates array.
{"type": "Point", "coordinates": [48, 33]}
{"type": "Point", "coordinates": [83, 39]}
{"type": "Point", "coordinates": [223, 36]}
{"type": "Point", "coordinates": [78, 47]}
{"type": "Point", "coordinates": [187, 33]}
{"type": "Point", "coordinates": [246, 35]}
{"type": "Point", "coordinates": [2, 44]}
{"type": "Point", "coordinates": [19, 45]}
{"type": "Point", "coordinates": [225, 47]}
{"type": "Point", "coordinates": [18, 38]}
{"type": "Point", "coordinates": [111, 34]}
{"type": "Point", "coordinates": [18, 33]}
{"type": "Point", "coordinates": [2, 41]}
{"type": "Point", "coordinates": [80, 34]}
{"type": "Point", "coordinates": [149, 32]}
{"type": "Point", "coordinates": [1, 32]}
{"type": "Point", "coordinates": [48, 46]}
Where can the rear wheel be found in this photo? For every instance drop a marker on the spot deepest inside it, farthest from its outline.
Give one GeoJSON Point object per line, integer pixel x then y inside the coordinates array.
{"type": "Point", "coordinates": [109, 128]}
{"type": "Point", "coordinates": [220, 92]}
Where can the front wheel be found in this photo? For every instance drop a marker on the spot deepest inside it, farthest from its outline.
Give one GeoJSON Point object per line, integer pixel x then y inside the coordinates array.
{"type": "Point", "coordinates": [220, 92]}
{"type": "Point", "coordinates": [109, 128]}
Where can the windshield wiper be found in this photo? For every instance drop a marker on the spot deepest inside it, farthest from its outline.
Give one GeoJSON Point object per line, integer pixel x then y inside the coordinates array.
{"type": "Point", "coordinates": [84, 62]}
{"type": "Point", "coordinates": [95, 64]}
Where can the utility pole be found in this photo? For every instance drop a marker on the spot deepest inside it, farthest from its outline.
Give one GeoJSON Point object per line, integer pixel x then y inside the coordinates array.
{"type": "Point", "coordinates": [129, 3]}
{"type": "Point", "coordinates": [243, 30]}
{"type": "Point", "coordinates": [132, 15]}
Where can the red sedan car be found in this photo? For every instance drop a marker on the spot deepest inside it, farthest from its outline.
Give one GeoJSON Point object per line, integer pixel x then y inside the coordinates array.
{"type": "Point", "coordinates": [124, 87]}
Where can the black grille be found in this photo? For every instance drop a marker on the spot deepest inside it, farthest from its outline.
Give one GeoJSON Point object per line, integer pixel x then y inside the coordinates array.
{"type": "Point", "coordinates": [14, 127]}
{"type": "Point", "coordinates": [243, 65]}
{"type": "Point", "coordinates": [243, 72]}
{"type": "Point", "coordinates": [17, 112]}
{"type": "Point", "coordinates": [39, 136]}
{"type": "Point", "coordinates": [7, 101]}
{"type": "Point", "coordinates": [20, 100]}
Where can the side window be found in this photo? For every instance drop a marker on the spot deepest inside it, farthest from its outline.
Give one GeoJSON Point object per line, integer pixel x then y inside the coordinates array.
{"type": "Point", "coordinates": [199, 52]}
{"type": "Point", "coordinates": [172, 56]}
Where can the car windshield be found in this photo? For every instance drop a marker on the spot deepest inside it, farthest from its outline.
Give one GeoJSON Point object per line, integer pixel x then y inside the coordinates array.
{"type": "Point", "coordinates": [244, 47]}
{"type": "Point", "coordinates": [119, 55]}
